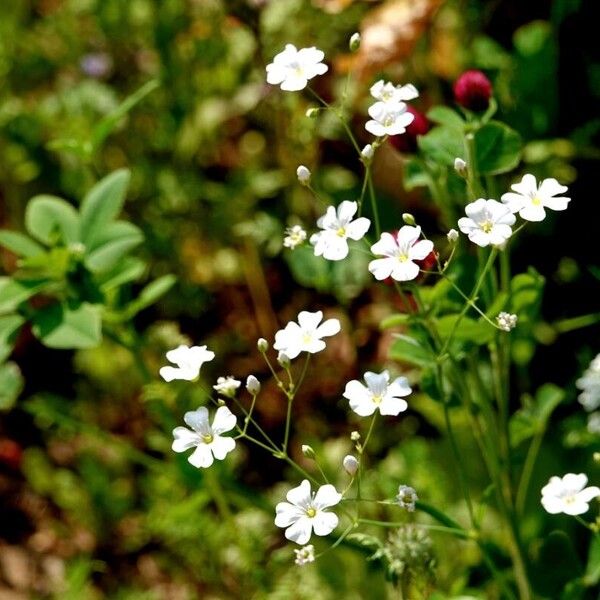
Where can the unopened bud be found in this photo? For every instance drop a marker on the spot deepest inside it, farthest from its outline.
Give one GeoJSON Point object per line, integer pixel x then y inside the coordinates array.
{"type": "Point", "coordinates": [473, 90]}
{"type": "Point", "coordinates": [312, 112]}
{"type": "Point", "coordinates": [354, 43]}
{"type": "Point", "coordinates": [303, 174]}
{"type": "Point", "coordinates": [283, 359]}
{"type": "Point", "coordinates": [408, 219]}
{"type": "Point", "coordinates": [252, 385]}
{"type": "Point", "coordinates": [460, 166]}
{"type": "Point", "coordinates": [262, 345]}
{"type": "Point", "coordinates": [308, 451]}
{"type": "Point", "coordinates": [452, 236]}
{"type": "Point", "coordinates": [350, 464]}
{"type": "Point", "coordinates": [355, 436]}
{"type": "Point", "coordinates": [367, 153]}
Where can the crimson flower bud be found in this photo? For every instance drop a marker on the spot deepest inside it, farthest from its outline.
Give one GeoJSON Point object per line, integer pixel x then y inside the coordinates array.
{"type": "Point", "coordinates": [473, 90]}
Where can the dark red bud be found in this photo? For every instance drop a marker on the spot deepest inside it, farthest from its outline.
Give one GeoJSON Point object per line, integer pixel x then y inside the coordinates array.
{"type": "Point", "coordinates": [473, 90]}
{"type": "Point", "coordinates": [407, 142]}
{"type": "Point", "coordinates": [10, 453]}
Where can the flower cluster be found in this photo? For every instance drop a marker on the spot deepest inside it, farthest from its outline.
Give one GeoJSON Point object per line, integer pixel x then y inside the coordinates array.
{"type": "Point", "coordinates": [589, 384]}
{"type": "Point", "coordinates": [389, 113]}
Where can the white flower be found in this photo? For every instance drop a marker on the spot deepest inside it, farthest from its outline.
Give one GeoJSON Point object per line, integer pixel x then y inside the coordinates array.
{"type": "Point", "coordinates": [188, 360]}
{"type": "Point", "coordinates": [207, 439]}
{"type": "Point", "coordinates": [252, 385]}
{"type": "Point", "coordinates": [487, 222]}
{"type": "Point", "coordinates": [294, 236]}
{"type": "Point", "coordinates": [452, 236]}
{"type": "Point", "coordinates": [388, 119]}
{"type": "Point", "coordinates": [304, 512]}
{"type": "Point", "coordinates": [530, 200]}
{"type": "Point", "coordinates": [350, 464]}
{"type": "Point", "coordinates": [568, 494]}
{"type": "Point", "coordinates": [292, 68]}
{"type": "Point", "coordinates": [378, 394]}
{"type": "Point", "coordinates": [305, 336]}
{"type": "Point", "coordinates": [460, 166]}
{"type": "Point", "coordinates": [506, 321]}
{"type": "Point", "coordinates": [303, 174]}
{"type": "Point", "coordinates": [400, 252]}
{"type": "Point", "coordinates": [387, 93]}
{"type": "Point", "coordinates": [367, 152]}
{"type": "Point", "coordinates": [589, 384]}
{"type": "Point", "coordinates": [407, 497]}
{"type": "Point", "coordinates": [227, 386]}
{"type": "Point", "coordinates": [338, 226]}
{"type": "Point", "coordinates": [305, 555]}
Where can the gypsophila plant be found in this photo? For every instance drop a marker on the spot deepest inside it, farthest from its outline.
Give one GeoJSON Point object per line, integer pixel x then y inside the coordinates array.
{"type": "Point", "coordinates": [461, 312]}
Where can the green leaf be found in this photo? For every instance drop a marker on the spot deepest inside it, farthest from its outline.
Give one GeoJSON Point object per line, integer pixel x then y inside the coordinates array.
{"type": "Point", "coordinates": [442, 115]}
{"type": "Point", "coordinates": [9, 329]}
{"type": "Point", "coordinates": [395, 321]}
{"type": "Point", "coordinates": [468, 330]}
{"type": "Point", "coordinates": [442, 144]}
{"type": "Point", "coordinates": [113, 243]}
{"type": "Point", "coordinates": [497, 148]}
{"type": "Point", "coordinates": [408, 349]}
{"type": "Point", "coordinates": [101, 205]}
{"type": "Point", "coordinates": [414, 175]}
{"type": "Point", "coordinates": [19, 243]}
{"type": "Point", "coordinates": [128, 270]}
{"type": "Point", "coordinates": [52, 220]}
{"type": "Point", "coordinates": [11, 385]}
{"type": "Point", "coordinates": [592, 571]}
{"type": "Point", "coordinates": [526, 294]}
{"type": "Point", "coordinates": [62, 326]}
{"type": "Point", "coordinates": [151, 293]}
{"type": "Point", "coordinates": [15, 291]}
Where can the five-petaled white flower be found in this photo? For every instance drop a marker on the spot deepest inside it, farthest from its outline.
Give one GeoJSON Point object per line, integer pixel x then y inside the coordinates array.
{"type": "Point", "coordinates": [305, 512]}
{"type": "Point", "coordinates": [531, 200]}
{"type": "Point", "coordinates": [400, 252]}
{"type": "Point", "coordinates": [379, 394]}
{"type": "Point", "coordinates": [388, 118]}
{"type": "Point", "coordinates": [207, 439]}
{"type": "Point", "coordinates": [227, 386]}
{"type": "Point", "coordinates": [188, 361]}
{"type": "Point", "coordinates": [487, 222]}
{"type": "Point", "coordinates": [305, 336]}
{"type": "Point", "coordinates": [292, 68]}
{"type": "Point", "coordinates": [388, 93]}
{"type": "Point", "coordinates": [568, 494]}
{"type": "Point", "coordinates": [338, 226]}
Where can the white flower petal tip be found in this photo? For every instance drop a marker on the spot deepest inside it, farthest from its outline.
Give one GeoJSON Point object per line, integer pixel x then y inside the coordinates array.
{"type": "Point", "coordinates": [379, 394]}
{"type": "Point", "coordinates": [292, 69]}
{"type": "Point", "coordinates": [338, 226]}
{"type": "Point", "coordinates": [400, 253]}
{"type": "Point", "coordinates": [306, 512]}
{"type": "Point", "coordinates": [568, 494]}
{"type": "Point", "coordinates": [306, 335]}
{"type": "Point", "coordinates": [207, 440]}
{"type": "Point", "coordinates": [530, 200]}
{"type": "Point", "coordinates": [189, 360]}
{"type": "Point", "coordinates": [488, 222]}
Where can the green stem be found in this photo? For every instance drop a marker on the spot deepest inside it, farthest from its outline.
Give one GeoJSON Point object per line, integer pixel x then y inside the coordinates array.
{"type": "Point", "coordinates": [566, 325]}
{"type": "Point", "coordinates": [374, 205]}
{"type": "Point", "coordinates": [530, 459]}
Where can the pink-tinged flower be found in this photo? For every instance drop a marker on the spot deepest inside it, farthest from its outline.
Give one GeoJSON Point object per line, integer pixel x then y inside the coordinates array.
{"type": "Point", "coordinates": [487, 222]}
{"type": "Point", "coordinates": [291, 69]}
{"type": "Point", "coordinates": [568, 494]}
{"type": "Point", "coordinates": [473, 90]}
{"type": "Point", "coordinates": [305, 512]}
{"type": "Point", "coordinates": [400, 252]}
{"type": "Point", "coordinates": [531, 200]}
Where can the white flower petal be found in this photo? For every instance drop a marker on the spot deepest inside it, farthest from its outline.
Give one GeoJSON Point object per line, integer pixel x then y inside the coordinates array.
{"type": "Point", "coordinates": [421, 250]}
{"type": "Point", "coordinates": [408, 235]}
{"type": "Point", "coordinates": [184, 439]}
{"type": "Point", "coordinates": [300, 531]}
{"type": "Point", "coordinates": [527, 186]}
{"type": "Point", "coordinates": [222, 446]}
{"type": "Point", "coordinates": [328, 328]}
{"type": "Point", "coordinates": [201, 457]}
{"type": "Point", "coordinates": [287, 513]}
{"type": "Point", "coordinates": [387, 245]}
{"type": "Point", "coordinates": [392, 406]}
{"type": "Point", "coordinates": [224, 420]}
{"type": "Point", "coordinates": [324, 523]}
{"type": "Point", "coordinates": [198, 420]}
{"type": "Point", "coordinates": [326, 497]}
{"type": "Point", "coordinates": [301, 495]}
{"type": "Point", "coordinates": [346, 210]}
{"type": "Point", "coordinates": [309, 321]}
{"type": "Point", "coordinates": [531, 212]}
{"type": "Point", "coordinates": [382, 268]}
{"type": "Point", "coordinates": [358, 229]}
{"type": "Point", "coordinates": [405, 271]}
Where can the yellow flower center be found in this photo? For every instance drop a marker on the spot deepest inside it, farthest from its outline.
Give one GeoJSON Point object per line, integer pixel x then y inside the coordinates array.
{"type": "Point", "coordinates": [377, 399]}
{"type": "Point", "coordinates": [207, 439]}
{"type": "Point", "coordinates": [311, 512]}
{"type": "Point", "coordinates": [402, 258]}
{"type": "Point", "coordinates": [341, 232]}
{"type": "Point", "coordinates": [487, 226]}
{"type": "Point", "coordinates": [536, 201]}
{"type": "Point", "coordinates": [306, 338]}
{"type": "Point", "coordinates": [570, 500]}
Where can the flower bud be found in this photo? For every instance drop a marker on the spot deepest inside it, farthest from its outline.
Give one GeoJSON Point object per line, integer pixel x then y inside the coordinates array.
{"type": "Point", "coordinates": [355, 436]}
{"type": "Point", "coordinates": [452, 236]}
{"type": "Point", "coordinates": [460, 166]}
{"type": "Point", "coordinates": [506, 321]}
{"type": "Point", "coordinates": [596, 457]}
{"type": "Point", "coordinates": [308, 451]}
{"type": "Point", "coordinates": [262, 345]}
{"type": "Point", "coordinates": [312, 112]}
{"type": "Point", "coordinates": [367, 153]}
{"type": "Point", "coordinates": [350, 464]}
{"type": "Point", "coordinates": [473, 90]}
{"type": "Point", "coordinates": [407, 497]}
{"type": "Point", "coordinates": [354, 43]}
{"type": "Point", "coordinates": [283, 359]}
{"type": "Point", "coordinates": [303, 174]}
{"type": "Point", "coordinates": [408, 219]}
{"type": "Point", "coordinates": [252, 385]}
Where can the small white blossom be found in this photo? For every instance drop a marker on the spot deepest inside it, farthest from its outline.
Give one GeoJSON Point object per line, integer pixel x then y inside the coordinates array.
{"type": "Point", "coordinates": [355, 436]}
{"type": "Point", "coordinates": [207, 439]}
{"type": "Point", "coordinates": [227, 386]}
{"type": "Point", "coordinates": [252, 385]}
{"type": "Point", "coordinates": [379, 394]}
{"type": "Point", "coordinates": [306, 335]}
{"type": "Point", "coordinates": [487, 222]}
{"type": "Point", "coordinates": [188, 361]}
{"type": "Point", "coordinates": [400, 252]}
{"type": "Point", "coordinates": [386, 92]}
{"type": "Point", "coordinates": [291, 69]}
{"type": "Point", "coordinates": [303, 174]}
{"type": "Point", "coordinates": [407, 497]}
{"type": "Point", "coordinates": [338, 227]}
{"type": "Point", "coordinates": [589, 384]}
{"type": "Point", "coordinates": [350, 464]}
{"type": "Point", "coordinates": [305, 555]}
{"type": "Point", "coordinates": [367, 152]}
{"type": "Point", "coordinates": [308, 451]}
{"type": "Point", "coordinates": [452, 236]}
{"type": "Point", "coordinates": [593, 424]}
{"type": "Point", "coordinates": [568, 494]}
{"type": "Point", "coordinates": [294, 237]}
{"type": "Point", "coordinates": [506, 321]}
{"type": "Point", "coordinates": [388, 119]}
{"type": "Point", "coordinates": [305, 512]}
{"type": "Point", "coordinates": [531, 200]}
{"type": "Point", "coordinates": [460, 166]}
